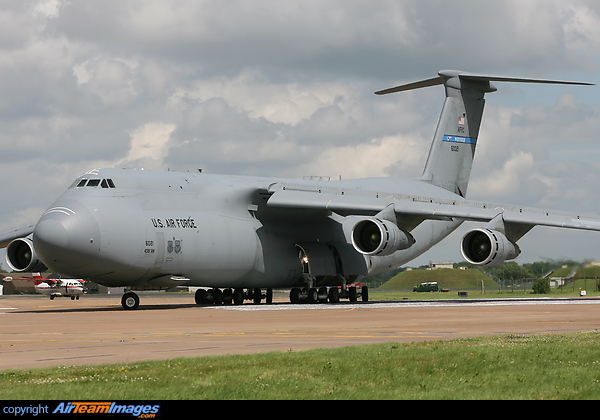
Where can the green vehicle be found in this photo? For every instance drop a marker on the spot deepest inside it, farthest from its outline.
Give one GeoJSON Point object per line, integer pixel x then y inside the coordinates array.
{"type": "Point", "coordinates": [430, 286]}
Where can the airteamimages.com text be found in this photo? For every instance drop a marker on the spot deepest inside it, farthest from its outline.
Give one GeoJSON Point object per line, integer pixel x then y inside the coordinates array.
{"type": "Point", "coordinates": [148, 410]}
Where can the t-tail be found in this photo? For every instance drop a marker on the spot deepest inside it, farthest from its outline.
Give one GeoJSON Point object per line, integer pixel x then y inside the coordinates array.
{"type": "Point", "coordinates": [453, 147]}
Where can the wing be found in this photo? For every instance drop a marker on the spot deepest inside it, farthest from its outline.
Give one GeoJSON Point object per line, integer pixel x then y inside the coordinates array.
{"type": "Point", "coordinates": [412, 210]}
{"type": "Point", "coordinates": [7, 237]}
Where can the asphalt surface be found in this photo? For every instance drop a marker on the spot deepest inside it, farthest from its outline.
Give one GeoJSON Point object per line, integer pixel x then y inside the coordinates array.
{"type": "Point", "coordinates": [36, 331]}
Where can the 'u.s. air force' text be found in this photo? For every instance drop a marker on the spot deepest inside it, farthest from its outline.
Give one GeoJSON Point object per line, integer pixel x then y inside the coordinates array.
{"type": "Point", "coordinates": [188, 223]}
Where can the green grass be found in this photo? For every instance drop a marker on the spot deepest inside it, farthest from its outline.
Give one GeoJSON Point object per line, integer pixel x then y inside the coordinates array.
{"type": "Point", "coordinates": [588, 271]}
{"type": "Point", "coordinates": [563, 271]}
{"type": "Point", "coordinates": [501, 367]}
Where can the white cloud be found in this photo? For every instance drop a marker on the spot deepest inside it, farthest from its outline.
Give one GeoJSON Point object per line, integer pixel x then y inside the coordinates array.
{"type": "Point", "coordinates": [503, 183]}
{"type": "Point", "coordinates": [376, 158]}
{"type": "Point", "coordinates": [149, 145]}
{"type": "Point", "coordinates": [47, 8]}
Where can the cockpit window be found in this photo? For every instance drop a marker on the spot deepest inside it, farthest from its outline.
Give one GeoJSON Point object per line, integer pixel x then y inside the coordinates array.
{"type": "Point", "coordinates": [104, 183]}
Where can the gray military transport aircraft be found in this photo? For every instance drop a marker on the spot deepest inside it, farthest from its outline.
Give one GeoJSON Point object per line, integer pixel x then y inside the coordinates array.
{"type": "Point", "coordinates": [239, 237]}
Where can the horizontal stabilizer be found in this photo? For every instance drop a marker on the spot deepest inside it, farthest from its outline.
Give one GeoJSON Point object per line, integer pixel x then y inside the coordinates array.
{"type": "Point", "coordinates": [416, 85]}
{"type": "Point", "coordinates": [445, 76]}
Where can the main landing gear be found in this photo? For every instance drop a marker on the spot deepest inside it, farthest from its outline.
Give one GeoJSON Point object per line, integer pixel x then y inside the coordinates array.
{"type": "Point", "coordinates": [235, 296]}
{"type": "Point", "coordinates": [331, 295]}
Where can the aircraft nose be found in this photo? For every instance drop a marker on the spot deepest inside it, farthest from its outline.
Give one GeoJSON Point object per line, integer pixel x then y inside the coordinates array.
{"type": "Point", "coordinates": [67, 237]}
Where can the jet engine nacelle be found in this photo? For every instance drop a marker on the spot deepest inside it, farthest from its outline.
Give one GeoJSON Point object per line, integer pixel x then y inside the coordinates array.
{"type": "Point", "coordinates": [487, 247]}
{"type": "Point", "coordinates": [21, 256]}
{"type": "Point", "coordinates": [379, 237]}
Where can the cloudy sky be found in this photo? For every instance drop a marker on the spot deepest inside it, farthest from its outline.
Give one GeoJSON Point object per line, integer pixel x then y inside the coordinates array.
{"type": "Point", "coordinates": [285, 88]}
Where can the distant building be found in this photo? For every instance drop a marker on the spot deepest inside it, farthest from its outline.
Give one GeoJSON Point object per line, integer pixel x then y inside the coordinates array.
{"type": "Point", "coordinates": [592, 263]}
{"type": "Point", "coordinates": [435, 266]}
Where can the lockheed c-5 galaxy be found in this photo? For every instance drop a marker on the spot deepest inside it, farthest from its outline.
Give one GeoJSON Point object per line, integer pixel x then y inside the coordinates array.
{"type": "Point", "coordinates": [239, 237]}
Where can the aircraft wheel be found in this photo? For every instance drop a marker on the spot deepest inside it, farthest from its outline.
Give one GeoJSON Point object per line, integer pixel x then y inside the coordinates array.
{"type": "Point", "coordinates": [322, 295]}
{"type": "Point", "coordinates": [269, 298]}
{"type": "Point", "coordinates": [257, 295]}
{"type": "Point", "coordinates": [295, 295]}
{"type": "Point", "coordinates": [130, 301]}
{"type": "Point", "coordinates": [334, 295]}
{"type": "Point", "coordinates": [200, 297]}
{"type": "Point", "coordinates": [217, 296]}
{"type": "Point", "coordinates": [352, 294]}
{"type": "Point", "coordinates": [51, 297]}
{"type": "Point", "coordinates": [365, 294]}
{"type": "Point", "coordinates": [313, 295]}
{"type": "Point", "coordinates": [227, 296]}
{"type": "Point", "coordinates": [238, 296]}
{"type": "Point", "coordinates": [72, 297]}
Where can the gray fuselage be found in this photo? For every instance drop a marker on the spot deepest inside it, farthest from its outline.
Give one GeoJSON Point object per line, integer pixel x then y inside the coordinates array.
{"type": "Point", "coordinates": [157, 229]}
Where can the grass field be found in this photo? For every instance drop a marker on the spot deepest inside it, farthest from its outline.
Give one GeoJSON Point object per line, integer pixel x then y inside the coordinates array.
{"type": "Point", "coordinates": [375, 294]}
{"type": "Point", "coordinates": [446, 278]}
{"type": "Point", "coordinates": [471, 281]}
{"type": "Point", "coordinates": [502, 367]}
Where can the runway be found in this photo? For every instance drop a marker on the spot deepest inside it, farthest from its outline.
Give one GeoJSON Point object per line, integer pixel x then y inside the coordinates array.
{"type": "Point", "coordinates": [38, 332]}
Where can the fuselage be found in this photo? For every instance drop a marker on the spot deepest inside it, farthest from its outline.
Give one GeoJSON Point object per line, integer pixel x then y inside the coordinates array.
{"type": "Point", "coordinates": [150, 229]}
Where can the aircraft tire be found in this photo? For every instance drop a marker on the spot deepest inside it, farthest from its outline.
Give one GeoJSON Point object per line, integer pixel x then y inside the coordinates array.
{"type": "Point", "coordinates": [365, 294]}
{"type": "Point", "coordinates": [269, 297]}
{"type": "Point", "coordinates": [313, 295]}
{"type": "Point", "coordinates": [257, 295]}
{"type": "Point", "coordinates": [334, 295]}
{"type": "Point", "coordinates": [217, 296]}
{"type": "Point", "coordinates": [130, 301]}
{"type": "Point", "coordinates": [352, 294]}
{"type": "Point", "coordinates": [200, 297]}
{"type": "Point", "coordinates": [238, 296]}
{"type": "Point", "coordinates": [227, 296]}
{"type": "Point", "coordinates": [295, 295]}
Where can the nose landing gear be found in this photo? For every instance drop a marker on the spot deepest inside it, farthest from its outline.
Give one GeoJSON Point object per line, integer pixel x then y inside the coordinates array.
{"type": "Point", "coordinates": [130, 301]}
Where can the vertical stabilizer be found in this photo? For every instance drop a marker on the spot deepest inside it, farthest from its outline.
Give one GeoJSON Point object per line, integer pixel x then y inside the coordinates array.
{"type": "Point", "coordinates": [453, 147]}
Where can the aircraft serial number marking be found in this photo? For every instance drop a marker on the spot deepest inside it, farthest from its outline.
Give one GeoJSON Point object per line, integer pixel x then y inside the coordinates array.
{"type": "Point", "coordinates": [188, 223]}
